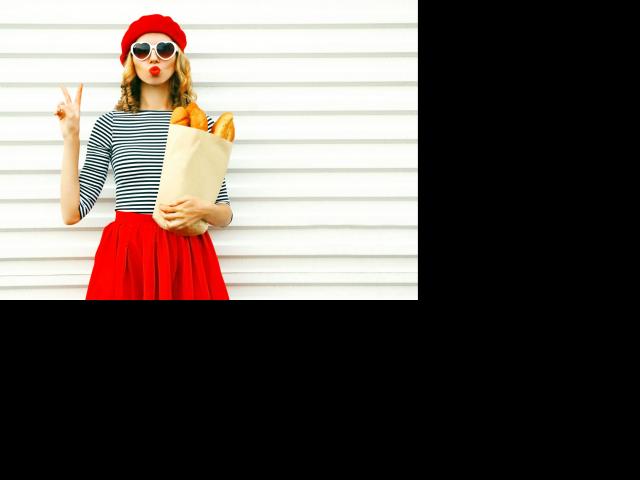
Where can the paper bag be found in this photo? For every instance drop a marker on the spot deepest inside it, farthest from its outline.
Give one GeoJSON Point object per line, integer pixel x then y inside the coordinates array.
{"type": "Point", "coordinates": [195, 163]}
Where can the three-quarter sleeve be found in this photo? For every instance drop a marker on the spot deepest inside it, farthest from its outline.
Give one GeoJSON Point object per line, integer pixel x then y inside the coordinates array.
{"type": "Point", "coordinates": [93, 175]}
{"type": "Point", "coordinates": [223, 195]}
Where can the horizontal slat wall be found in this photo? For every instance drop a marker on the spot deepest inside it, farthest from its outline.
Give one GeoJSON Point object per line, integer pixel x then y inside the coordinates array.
{"type": "Point", "coordinates": [273, 14]}
{"type": "Point", "coordinates": [252, 127]}
{"type": "Point", "coordinates": [243, 100]}
{"type": "Point", "coordinates": [227, 42]}
{"type": "Point", "coordinates": [240, 71]}
{"type": "Point", "coordinates": [323, 177]}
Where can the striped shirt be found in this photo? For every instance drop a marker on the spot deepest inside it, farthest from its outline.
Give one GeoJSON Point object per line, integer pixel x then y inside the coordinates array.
{"type": "Point", "coordinates": [134, 146]}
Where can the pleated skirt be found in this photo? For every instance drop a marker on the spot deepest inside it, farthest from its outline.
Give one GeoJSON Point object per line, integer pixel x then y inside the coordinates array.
{"type": "Point", "coordinates": [138, 260]}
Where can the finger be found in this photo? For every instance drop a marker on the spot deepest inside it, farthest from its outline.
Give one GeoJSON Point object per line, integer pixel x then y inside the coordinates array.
{"type": "Point", "coordinates": [66, 94]}
{"type": "Point", "coordinates": [179, 201]}
{"type": "Point", "coordinates": [168, 209]}
{"type": "Point", "coordinates": [171, 216]}
{"type": "Point", "coordinates": [79, 95]}
{"type": "Point", "coordinates": [174, 225]}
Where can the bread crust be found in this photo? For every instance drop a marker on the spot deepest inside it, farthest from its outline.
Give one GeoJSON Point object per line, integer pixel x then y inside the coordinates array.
{"type": "Point", "coordinates": [199, 119]}
{"type": "Point", "coordinates": [180, 116]}
{"type": "Point", "coordinates": [191, 106]}
{"type": "Point", "coordinates": [224, 127]}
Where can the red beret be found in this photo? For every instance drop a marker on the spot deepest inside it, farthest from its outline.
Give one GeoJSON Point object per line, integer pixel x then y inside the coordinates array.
{"type": "Point", "coordinates": [148, 24]}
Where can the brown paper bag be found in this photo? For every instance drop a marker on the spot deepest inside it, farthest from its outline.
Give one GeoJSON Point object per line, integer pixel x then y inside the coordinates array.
{"type": "Point", "coordinates": [195, 163]}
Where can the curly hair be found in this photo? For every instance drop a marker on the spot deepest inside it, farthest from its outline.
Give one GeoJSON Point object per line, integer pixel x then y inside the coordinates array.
{"type": "Point", "coordinates": [180, 90]}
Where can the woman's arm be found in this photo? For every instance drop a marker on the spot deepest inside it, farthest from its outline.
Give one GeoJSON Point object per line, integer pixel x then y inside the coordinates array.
{"type": "Point", "coordinates": [188, 210]}
{"type": "Point", "coordinates": [69, 114]}
{"type": "Point", "coordinates": [218, 215]}
{"type": "Point", "coordinates": [69, 184]}
{"type": "Point", "coordinates": [220, 219]}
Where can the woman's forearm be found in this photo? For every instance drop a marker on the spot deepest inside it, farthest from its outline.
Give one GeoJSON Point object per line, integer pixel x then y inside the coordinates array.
{"type": "Point", "coordinates": [218, 214]}
{"type": "Point", "coordinates": [69, 182]}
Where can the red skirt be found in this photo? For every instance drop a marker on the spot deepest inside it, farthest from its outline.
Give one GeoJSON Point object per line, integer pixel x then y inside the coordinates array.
{"type": "Point", "coordinates": [138, 260]}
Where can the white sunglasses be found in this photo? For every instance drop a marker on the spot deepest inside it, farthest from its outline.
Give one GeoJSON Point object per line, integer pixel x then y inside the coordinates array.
{"type": "Point", "coordinates": [164, 50]}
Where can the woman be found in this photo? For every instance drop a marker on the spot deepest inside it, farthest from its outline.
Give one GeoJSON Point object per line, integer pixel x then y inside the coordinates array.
{"type": "Point", "coordinates": [136, 259]}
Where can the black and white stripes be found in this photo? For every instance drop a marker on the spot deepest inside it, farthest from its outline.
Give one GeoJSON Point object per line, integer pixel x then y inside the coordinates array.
{"type": "Point", "coordinates": [134, 145]}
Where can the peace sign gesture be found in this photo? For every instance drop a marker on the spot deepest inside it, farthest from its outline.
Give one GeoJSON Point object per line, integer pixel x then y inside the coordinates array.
{"type": "Point", "coordinates": [69, 113]}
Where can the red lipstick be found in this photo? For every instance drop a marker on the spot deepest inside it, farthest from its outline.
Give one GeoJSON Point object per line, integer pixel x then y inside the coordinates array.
{"type": "Point", "coordinates": [154, 70]}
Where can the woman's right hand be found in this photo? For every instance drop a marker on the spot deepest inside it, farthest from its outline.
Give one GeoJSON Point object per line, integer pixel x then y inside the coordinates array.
{"type": "Point", "coordinates": [69, 114]}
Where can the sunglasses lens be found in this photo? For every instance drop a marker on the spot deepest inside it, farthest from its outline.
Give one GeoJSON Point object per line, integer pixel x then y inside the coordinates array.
{"type": "Point", "coordinates": [165, 50]}
{"type": "Point", "coordinates": [141, 50]}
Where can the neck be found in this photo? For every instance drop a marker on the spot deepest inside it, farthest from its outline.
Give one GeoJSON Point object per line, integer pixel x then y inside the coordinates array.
{"type": "Point", "coordinates": [155, 97]}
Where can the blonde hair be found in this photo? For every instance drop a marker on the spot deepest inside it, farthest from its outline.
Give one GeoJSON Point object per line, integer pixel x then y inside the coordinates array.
{"type": "Point", "coordinates": [180, 89]}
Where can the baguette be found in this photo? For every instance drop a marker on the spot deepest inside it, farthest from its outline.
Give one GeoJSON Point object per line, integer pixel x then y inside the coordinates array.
{"type": "Point", "coordinates": [190, 116]}
{"type": "Point", "coordinates": [193, 116]}
{"type": "Point", "coordinates": [180, 116]}
{"type": "Point", "coordinates": [191, 106]}
{"type": "Point", "coordinates": [199, 119]}
{"type": "Point", "coordinates": [224, 127]}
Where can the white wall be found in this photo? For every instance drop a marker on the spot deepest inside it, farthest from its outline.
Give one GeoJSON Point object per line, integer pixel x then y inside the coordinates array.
{"type": "Point", "coordinates": [323, 177]}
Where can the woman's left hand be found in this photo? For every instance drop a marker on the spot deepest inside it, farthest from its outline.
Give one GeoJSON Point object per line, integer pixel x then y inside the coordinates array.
{"type": "Point", "coordinates": [184, 212]}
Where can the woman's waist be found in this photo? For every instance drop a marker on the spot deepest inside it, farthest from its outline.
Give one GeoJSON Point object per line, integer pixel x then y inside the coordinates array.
{"type": "Point", "coordinates": [126, 216]}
